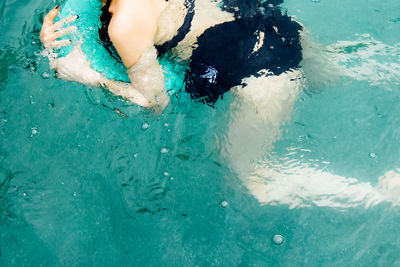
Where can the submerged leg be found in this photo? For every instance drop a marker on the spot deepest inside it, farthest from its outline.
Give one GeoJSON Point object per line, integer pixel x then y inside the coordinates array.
{"type": "Point", "coordinates": [258, 112]}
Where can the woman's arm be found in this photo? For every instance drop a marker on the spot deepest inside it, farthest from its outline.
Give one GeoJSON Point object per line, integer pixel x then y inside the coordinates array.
{"type": "Point", "coordinates": [127, 91]}
{"type": "Point", "coordinates": [132, 30]}
{"type": "Point", "coordinates": [148, 77]}
{"type": "Point", "coordinates": [75, 66]}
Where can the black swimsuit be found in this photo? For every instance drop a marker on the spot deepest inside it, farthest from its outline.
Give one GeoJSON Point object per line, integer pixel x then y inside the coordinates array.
{"type": "Point", "coordinates": [260, 38]}
{"type": "Point", "coordinates": [231, 51]}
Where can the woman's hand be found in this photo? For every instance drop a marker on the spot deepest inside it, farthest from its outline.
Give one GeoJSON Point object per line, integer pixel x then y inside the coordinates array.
{"type": "Point", "coordinates": [74, 66]}
{"type": "Point", "coordinates": [52, 31]}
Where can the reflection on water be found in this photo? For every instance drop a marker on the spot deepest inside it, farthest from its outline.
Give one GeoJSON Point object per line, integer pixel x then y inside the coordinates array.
{"type": "Point", "coordinates": [369, 59]}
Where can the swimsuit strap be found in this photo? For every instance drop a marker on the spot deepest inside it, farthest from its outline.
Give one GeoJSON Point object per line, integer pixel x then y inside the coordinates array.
{"type": "Point", "coordinates": [182, 32]}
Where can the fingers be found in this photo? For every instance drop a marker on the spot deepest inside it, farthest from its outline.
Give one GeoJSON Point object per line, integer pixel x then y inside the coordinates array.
{"type": "Point", "coordinates": [51, 32]}
{"type": "Point", "coordinates": [63, 32]}
{"type": "Point", "coordinates": [47, 39]}
{"type": "Point", "coordinates": [59, 44]}
{"type": "Point", "coordinates": [49, 18]}
{"type": "Point", "coordinates": [59, 24]}
{"type": "Point", "coordinates": [49, 36]}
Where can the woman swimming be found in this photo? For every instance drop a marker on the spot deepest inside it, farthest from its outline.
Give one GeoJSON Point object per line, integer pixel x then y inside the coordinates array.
{"type": "Point", "coordinates": [254, 52]}
{"type": "Point", "coordinates": [227, 46]}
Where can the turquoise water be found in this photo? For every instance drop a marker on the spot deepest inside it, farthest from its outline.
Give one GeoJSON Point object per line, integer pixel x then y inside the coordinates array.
{"type": "Point", "coordinates": [84, 185]}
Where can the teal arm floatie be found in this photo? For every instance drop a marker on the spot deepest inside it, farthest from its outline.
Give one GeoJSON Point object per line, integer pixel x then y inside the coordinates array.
{"type": "Point", "coordinates": [99, 58]}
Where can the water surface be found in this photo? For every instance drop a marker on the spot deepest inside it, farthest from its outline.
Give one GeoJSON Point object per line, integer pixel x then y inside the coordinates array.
{"type": "Point", "coordinates": [82, 185]}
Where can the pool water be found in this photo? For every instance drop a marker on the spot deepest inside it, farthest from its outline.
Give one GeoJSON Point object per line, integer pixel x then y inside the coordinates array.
{"type": "Point", "coordinates": [88, 179]}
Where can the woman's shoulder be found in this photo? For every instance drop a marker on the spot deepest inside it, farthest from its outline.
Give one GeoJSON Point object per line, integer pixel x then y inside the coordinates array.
{"type": "Point", "coordinates": [132, 29]}
{"type": "Point", "coordinates": [138, 9]}
{"type": "Point", "coordinates": [133, 17]}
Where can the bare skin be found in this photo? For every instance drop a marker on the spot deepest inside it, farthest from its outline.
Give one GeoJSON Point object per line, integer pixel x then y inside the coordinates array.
{"type": "Point", "coordinates": [263, 106]}
{"type": "Point", "coordinates": [132, 30]}
{"type": "Point", "coordinates": [135, 27]}
{"type": "Point", "coordinates": [51, 31]}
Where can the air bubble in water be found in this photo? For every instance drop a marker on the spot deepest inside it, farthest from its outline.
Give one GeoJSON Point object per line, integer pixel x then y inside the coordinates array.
{"type": "Point", "coordinates": [164, 150]}
{"type": "Point", "coordinates": [145, 126]}
{"type": "Point", "coordinates": [278, 240]}
{"type": "Point", "coordinates": [45, 75]}
{"type": "Point", "coordinates": [172, 178]}
{"type": "Point", "coordinates": [372, 155]}
{"type": "Point", "coordinates": [34, 131]}
{"type": "Point", "coordinates": [224, 204]}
